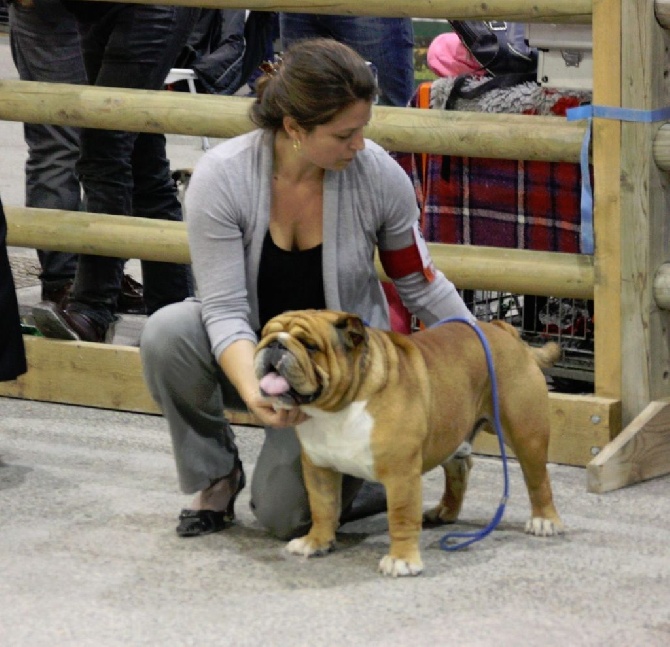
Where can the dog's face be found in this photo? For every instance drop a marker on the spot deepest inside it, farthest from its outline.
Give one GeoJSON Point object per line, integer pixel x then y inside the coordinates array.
{"type": "Point", "coordinates": [303, 356]}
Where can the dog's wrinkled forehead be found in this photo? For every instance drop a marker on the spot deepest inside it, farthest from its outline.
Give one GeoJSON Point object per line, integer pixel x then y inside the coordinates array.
{"type": "Point", "coordinates": [311, 328]}
{"type": "Point", "coordinates": [285, 330]}
{"type": "Point", "coordinates": [300, 324]}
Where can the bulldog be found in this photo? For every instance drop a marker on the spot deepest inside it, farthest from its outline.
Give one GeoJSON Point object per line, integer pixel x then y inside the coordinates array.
{"type": "Point", "coordinates": [388, 407]}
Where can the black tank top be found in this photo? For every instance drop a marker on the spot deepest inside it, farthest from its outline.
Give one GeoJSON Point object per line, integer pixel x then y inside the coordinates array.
{"type": "Point", "coordinates": [289, 280]}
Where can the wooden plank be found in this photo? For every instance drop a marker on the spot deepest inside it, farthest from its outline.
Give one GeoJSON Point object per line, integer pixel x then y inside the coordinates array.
{"type": "Point", "coordinates": [581, 426]}
{"type": "Point", "coordinates": [86, 374]}
{"type": "Point", "coordinates": [607, 199]}
{"type": "Point", "coordinates": [92, 375]}
{"type": "Point", "coordinates": [110, 377]}
{"type": "Point", "coordinates": [640, 452]}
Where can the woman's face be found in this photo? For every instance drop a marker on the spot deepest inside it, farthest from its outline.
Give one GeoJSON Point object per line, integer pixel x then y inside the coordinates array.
{"type": "Point", "coordinates": [333, 145]}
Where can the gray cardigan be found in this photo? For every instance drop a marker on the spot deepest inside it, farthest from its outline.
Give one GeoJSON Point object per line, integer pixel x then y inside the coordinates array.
{"type": "Point", "coordinates": [369, 204]}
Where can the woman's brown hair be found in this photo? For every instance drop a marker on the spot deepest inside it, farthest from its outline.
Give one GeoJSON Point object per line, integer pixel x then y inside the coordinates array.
{"type": "Point", "coordinates": [312, 83]}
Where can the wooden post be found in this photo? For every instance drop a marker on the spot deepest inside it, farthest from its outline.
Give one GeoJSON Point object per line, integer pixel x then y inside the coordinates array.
{"type": "Point", "coordinates": [645, 369]}
{"type": "Point", "coordinates": [642, 450]}
{"type": "Point", "coordinates": [607, 202]}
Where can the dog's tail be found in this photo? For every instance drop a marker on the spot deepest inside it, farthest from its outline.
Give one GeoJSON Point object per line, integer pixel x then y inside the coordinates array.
{"type": "Point", "coordinates": [545, 356]}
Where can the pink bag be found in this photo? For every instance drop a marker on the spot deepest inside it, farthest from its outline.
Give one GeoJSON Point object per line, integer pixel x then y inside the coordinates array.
{"type": "Point", "coordinates": [447, 56]}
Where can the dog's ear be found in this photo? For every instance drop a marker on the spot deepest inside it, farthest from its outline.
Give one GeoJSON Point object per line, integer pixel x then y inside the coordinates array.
{"type": "Point", "coordinates": [351, 330]}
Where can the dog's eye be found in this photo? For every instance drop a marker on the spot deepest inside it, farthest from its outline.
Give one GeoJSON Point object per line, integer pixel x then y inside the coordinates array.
{"type": "Point", "coordinates": [312, 348]}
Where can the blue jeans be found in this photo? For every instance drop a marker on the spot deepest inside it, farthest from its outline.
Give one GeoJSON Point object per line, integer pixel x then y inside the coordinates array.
{"type": "Point", "coordinates": [45, 47]}
{"type": "Point", "coordinates": [388, 43]}
{"type": "Point", "coordinates": [131, 46]}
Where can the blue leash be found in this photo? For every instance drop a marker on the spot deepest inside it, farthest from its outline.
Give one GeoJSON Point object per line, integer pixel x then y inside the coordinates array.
{"type": "Point", "coordinates": [475, 535]}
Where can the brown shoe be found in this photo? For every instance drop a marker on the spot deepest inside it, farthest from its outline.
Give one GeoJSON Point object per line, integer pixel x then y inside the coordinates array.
{"type": "Point", "coordinates": [57, 295]}
{"type": "Point", "coordinates": [131, 297]}
{"type": "Point", "coordinates": [64, 323]}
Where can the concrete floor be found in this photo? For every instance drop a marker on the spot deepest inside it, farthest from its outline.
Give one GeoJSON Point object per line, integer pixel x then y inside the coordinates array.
{"type": "Point", "coordinates": [88, 553]}
{"type": "Point", "coordinates": [89, 556]}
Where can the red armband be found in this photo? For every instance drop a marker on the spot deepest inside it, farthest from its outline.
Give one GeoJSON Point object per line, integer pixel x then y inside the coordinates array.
{"type": "Point", "coordinates": [398, 263]}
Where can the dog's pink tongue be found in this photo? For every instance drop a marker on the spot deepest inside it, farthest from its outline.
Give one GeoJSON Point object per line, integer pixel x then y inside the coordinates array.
{"type": "Point", "coordinates": [274, 384]}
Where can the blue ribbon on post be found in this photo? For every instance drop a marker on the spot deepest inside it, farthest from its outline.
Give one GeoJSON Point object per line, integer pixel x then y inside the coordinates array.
{"type": "Point", "coordinates": [602, 112]}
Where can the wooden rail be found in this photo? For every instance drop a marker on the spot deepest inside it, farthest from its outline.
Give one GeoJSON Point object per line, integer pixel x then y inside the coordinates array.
{"type": "Point", "coordinates": [440, 132]}
{"type": "Point", "coordinates": [469, 267]}
{"type": "Point", "coordinates": [398, 129]}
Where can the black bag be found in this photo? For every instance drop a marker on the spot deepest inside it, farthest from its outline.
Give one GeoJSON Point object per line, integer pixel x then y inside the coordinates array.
{"type": "Point", "coordinates": [499, 47]}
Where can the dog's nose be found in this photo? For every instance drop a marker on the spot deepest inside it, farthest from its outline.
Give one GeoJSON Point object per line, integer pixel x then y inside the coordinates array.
{"type": "Point", "coordinates": [274, 351]}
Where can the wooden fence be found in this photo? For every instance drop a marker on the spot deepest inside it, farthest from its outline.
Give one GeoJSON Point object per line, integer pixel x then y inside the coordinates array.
{"type": "Point", "coordinates": [620, 432]}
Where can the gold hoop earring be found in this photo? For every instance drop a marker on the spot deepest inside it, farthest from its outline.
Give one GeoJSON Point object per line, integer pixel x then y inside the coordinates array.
{"type": "Point", "coordinates": [297, 145]}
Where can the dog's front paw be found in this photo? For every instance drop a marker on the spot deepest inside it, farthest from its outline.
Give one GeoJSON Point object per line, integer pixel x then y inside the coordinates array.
{"type": "Point", "coordinates": [308, 547]}
{"type": "Point", "coordinates": [399, 567]}
{"type": "Point", "coordinates": [541, 527]}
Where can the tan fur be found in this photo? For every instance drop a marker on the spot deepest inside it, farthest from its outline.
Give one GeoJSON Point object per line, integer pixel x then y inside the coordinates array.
{"type": "Point", "coordinates": [427, 393]}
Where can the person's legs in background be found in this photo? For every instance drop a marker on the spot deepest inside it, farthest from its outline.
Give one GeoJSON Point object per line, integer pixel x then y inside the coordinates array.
{"type": "Point", "coordinates": [131, 46]}
{"type": "Point", "coordinates": [45, 47]}
{"type": "Point", "coordinates": [154, 196]}
{"type": "Point", "coordinates": [388, 43]}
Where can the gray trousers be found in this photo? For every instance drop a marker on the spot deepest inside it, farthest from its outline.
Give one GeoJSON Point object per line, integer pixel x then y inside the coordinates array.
{"type": "Point", "coordinates": [192, 391]}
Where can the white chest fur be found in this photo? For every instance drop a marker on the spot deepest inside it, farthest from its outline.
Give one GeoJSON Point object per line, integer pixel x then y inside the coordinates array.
{"type": "Point", "coordinates": [340, 441]}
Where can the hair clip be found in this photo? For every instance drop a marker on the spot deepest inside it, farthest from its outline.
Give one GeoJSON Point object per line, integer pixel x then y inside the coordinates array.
{"type": "Point", "coordinates": [271, 68]}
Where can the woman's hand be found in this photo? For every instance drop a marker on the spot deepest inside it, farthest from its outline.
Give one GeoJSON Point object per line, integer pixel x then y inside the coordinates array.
{"type": "Point", "coordinates": [265, 411]}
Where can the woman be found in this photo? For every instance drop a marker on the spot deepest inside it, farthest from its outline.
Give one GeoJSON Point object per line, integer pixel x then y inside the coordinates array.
{"type": "Point", "coordinates": [285, 217]}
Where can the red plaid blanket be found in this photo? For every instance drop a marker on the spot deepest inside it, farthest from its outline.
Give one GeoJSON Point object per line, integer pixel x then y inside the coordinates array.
{"type": "Point", "coordinates": [500, 203]}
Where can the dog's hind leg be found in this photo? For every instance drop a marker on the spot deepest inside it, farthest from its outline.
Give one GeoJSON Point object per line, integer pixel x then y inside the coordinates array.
{"type": "Point", "coordinates": [545, 520]}
{"type": "Point", "coordinates": [456, 474]}
{"type": "Point", "coordinates": [531, 448]}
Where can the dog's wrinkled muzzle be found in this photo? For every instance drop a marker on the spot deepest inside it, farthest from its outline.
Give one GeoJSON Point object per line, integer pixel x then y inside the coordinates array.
{"type": "Point", "coordinates": [275, 378]}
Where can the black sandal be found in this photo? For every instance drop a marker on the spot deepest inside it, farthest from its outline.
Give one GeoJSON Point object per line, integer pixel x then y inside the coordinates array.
{"type": "Point", "coordinates": [194, 523]}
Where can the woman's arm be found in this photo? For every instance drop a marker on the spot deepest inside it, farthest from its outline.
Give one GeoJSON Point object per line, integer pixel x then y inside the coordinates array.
{"type": "Point", "coordinates": [216, 233]}
{"type": "Point", "coordinates": [424, 290]}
